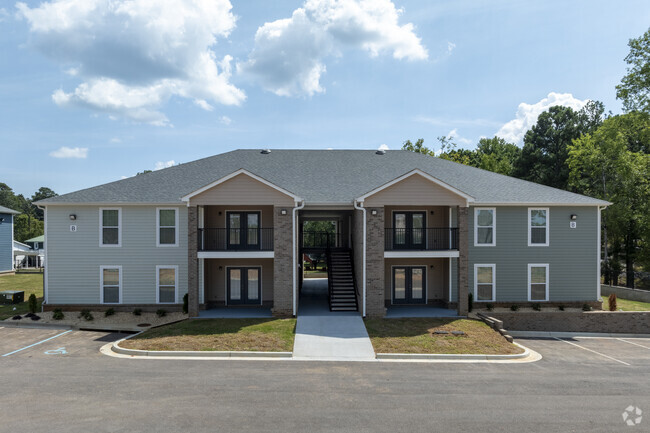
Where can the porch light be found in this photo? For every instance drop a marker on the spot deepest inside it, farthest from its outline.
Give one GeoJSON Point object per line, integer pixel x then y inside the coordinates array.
{"type": "Point", "coordinates": [283, 212]}
{"type": "Point", "coordinates": [574, 217]}
{"type": "Point", "coordinates": [2, 220]}
{"type": "Point", "coordinates": [374, 212]}
{"type": "Point", "coordinates": [73, 217]}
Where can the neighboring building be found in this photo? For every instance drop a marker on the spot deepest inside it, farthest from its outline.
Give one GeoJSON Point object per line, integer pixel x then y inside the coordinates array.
{"type": "Point", "coordinates": [30, 254]}
{"type": "Point", "coordinates": [410, 230]}
{"type": "Point", "coordinates": [7, 239]}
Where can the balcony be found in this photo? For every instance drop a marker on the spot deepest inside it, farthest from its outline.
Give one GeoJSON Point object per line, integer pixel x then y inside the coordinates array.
{"type": "Point", "coordinates": [421, 239]}
{"type": "Point", "coordinates": [235, 240]}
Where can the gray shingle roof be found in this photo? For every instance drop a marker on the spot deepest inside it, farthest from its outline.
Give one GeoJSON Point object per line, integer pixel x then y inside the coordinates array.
{"type": "Point", "coordinates": [7, 210]}
{"type": "Point", "coordinates": [321, 176]}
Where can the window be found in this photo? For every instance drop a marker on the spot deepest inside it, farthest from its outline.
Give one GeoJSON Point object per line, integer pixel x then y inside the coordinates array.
{"type": "Point", "coordinates": [166, 227]}
{"type": "Point", "coordinates": [110, 281]}
{"type": "Point", "coordinates": [166, 284]}
{"type": "Point", "coordinates": [484, 283]}
{"type": "Point", "coordinates": [110, 221]}
{"type": "Point", "coordinates": [484, 227]}
{"type": "Point", "coordinates": [538, 227]}
{"type": "Point", "coordinates": [538, 282]}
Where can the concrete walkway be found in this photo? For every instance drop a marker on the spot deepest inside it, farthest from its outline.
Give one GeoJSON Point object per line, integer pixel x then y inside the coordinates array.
{"type": "Point", "coordinates": [328, 336]}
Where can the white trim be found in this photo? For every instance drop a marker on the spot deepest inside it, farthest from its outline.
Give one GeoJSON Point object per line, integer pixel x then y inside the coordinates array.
{"type": "Point", "coordinates": [494, 226]}
{"type": "Point", "coordinates": [365, 242]}
{"type": "Point", "coordinates": [201, 281]}
{"type": "Point", "coordinates": [13, 260]}
{"type": "Point", "coordinates": [158, 268]}
{"type": "Point", "coordinates": [599, 256]}
{"type": "Point", "coordinates": [530, 227]}
{"type": "Point", "coordinates": [119, 227]}
{"type": "Point", "coordinates": [45, 264]}
{"type": "Point", "coordinates": [235, 254]}
{"type": "Point", "coordinates": [450, 280]}
{"type": "Point", "coordinates": [538, 265]}
{"type": "Point", "coordinates": [294, 262]}
{"type": "Point", "coordinates": [187, 197]}
{"type": "Point", "coordinates": [468, 198]}
{"type": "Point", "coordinates": [544, 204]}
{"type": "Point", "coordinates": [419, 254]}
{"type": "Point", "coordinates": [494, 281]}
{"type": "Point", "coordinates": [101, 284]}
{"type": "Point", "coordinates": [225, 285]}
{"type": "Point", "coordinates": [176, 227]}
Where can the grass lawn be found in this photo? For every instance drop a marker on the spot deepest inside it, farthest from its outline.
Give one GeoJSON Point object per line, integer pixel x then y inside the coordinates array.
{"type": "Point", "coordinates": [259, 335]}
{"type": "Point", "coordinates": [30, 283]}
{"type": "Point", "coordinates": [625, 305]}
{"type": "Point", "coordinates": [416, 336]}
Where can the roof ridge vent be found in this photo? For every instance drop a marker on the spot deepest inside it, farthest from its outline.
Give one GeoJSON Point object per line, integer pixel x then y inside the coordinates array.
{"type": "Point", "coordinates": [265, 151]}
{"type": "Point", "coordinates": [380, 152]}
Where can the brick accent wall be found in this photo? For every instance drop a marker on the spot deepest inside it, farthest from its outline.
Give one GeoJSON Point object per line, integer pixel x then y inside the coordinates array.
{"type": "Point", "coordinates": [463, 246]}
{"type": "Point", "coordinates": [375, 287]}
{"type": "Point", "coordinates": [192, 262]}
{"type": "Point", "coordinates": [626, 322]}
{"type": "Point", "coordinates": [282, 264]}
{"type": "Point", "coordinates": [357, 243]}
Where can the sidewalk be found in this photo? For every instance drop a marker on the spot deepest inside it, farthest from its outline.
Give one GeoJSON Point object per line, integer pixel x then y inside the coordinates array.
{"type": "Point", "coordinates": [322, 335]}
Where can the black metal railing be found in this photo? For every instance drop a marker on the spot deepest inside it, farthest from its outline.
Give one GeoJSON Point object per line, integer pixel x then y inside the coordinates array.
{"type": "Point", "coordinates": [322, 240]}
{"type": "Point", "coordinates": [424, 239]}
{"type": "Point", "coordinates": [220, 239]}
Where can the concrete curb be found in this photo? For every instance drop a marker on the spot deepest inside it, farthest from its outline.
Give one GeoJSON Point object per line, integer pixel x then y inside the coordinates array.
{"type": "Point", "coordinates": [115, 347]}
{"type": "Point", "coordinates": [450, 357]}
{"type": "Point", "coordinates": [544, 334]}
{"type": "Point", "coordinates": [33, 324]}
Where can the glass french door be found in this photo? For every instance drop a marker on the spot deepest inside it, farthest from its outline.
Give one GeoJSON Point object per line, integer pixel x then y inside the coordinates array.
{"type": "Point", "coordinates": [409, 284]}
{"type": "Point", "coordinates": [243, 230]}
{"type": "Point", "coordinates": [244, 286]}
{"type": "Point", "coordinates": [409, 230]}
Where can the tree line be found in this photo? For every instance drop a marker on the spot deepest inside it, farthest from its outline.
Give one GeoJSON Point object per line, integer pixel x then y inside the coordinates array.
{"type": "Point", "coordinates": [29, 223]}
{"type": "Point", "coordinates": [589, 152]}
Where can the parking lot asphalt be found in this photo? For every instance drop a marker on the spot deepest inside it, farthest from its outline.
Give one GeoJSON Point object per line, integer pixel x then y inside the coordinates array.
{"type": "Point", "coordinates": [58, 381]}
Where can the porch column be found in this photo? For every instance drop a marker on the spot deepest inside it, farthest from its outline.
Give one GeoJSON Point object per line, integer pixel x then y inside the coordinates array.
{"type": "Point", "coordinates": [192, 262]}
{"type": "Point", "coordinates": [375, 286]}
{"type": "Point", "coordinates": [282, 262]}
{"type": "Point", "coordinates": [463, 245]}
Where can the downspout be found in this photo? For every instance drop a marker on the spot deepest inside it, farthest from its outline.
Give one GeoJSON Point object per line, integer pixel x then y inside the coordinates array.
{"type": "Point", "coordinates": [365, 241]}
{"type": "Point", "coordinates": [295, 247]}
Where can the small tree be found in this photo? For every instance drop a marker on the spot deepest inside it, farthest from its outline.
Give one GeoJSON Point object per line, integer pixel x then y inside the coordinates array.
{"type": "Point", "coordinates": [32, 303]}
{"type": "Point", "coordinates": [612, 302]}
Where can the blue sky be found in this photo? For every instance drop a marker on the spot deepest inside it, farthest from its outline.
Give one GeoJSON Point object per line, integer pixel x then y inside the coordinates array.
{"type": "Point", "coordinates": [94, 90]}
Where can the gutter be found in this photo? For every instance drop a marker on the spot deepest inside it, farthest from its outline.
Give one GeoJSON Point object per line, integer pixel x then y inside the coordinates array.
{"type": "Point", "coordinates": [295, 246]}
{"type": "Point", "coordinates": [365, 241]}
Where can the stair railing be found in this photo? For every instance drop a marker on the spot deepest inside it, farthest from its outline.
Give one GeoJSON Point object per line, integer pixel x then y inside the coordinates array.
{"type": "Point", "coordinates": [329, 278]}
{"type": "Point", "coordinates": [354, 275]}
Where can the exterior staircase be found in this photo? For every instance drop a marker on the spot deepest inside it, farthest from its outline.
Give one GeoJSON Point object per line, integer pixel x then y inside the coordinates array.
{"type": "Point", "coordinates": [341, 281]}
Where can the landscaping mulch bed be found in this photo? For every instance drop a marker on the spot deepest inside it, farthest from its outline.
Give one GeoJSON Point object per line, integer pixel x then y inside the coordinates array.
{"type": "Point", "coordinates": [259, 335]}
{"type": "Point", "coordinates": [437, 335]}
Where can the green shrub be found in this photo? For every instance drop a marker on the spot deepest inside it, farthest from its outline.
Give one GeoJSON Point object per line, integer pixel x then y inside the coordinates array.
{"type": "Point", "coordinates": [537, 307]}
{"type": "Point", "coordinates": [86, 314]}
{"type": "Point", "coordinates": [109, 312]}
{"type": "Point", "coordinates": [612, 302]}
{"type": "Point", "coordinates": [514, 307]}
{"type": "Point", "coordinates": [137, 311]}
{"type": "Point", "coordinates": [489, 307]}
{"type": "Point", "coordinates": [32, 303]}
{"type": "Point", "coordinates": [185, 303]}
{"type": "Point", "coordinates": [560, 307]}
{"type": "Point", "coordinates": [161, 313]}
{"type": "Point", "coordinates": [586, 307]}
{"type": "Point", "coordinates": [57, 314]}
{"type": "Point", "coordinates": [470, 302]}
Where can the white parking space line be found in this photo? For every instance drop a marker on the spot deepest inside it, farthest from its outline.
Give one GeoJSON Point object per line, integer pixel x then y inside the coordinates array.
{"type": "Point", "coordinates": [593, 351]}
{"type": "Point", "coordinates": [36, 344]}
{"type": "Point", "coordinates": [631, 342]}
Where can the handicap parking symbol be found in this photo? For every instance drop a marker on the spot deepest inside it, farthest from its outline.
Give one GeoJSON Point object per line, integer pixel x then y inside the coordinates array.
{"type": "Point", "coordinates": [59, 351]}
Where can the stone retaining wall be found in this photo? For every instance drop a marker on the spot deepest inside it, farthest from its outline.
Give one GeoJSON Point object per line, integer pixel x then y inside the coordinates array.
{"type": "Point", "coordinates": [625, 293]}
{"type": "Point", "coordinates": [625, 322]}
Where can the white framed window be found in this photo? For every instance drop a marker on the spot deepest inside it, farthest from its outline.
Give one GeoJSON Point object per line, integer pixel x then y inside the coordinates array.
{"type": "Point", "coordinates": [167, 284]}
{"type": "Point", "coordinates": [110, 227]}
{"type": "Point", "coordinates": [485, 277]}
{"type": "Point", "coordinates": [110, 284]}
{"type": "Point", "coordinates": [538, 282]}
{"type": "Point", "coordinates": [485, 231]}
{"type": "Point", "coordinates": [538, 226]}
{"type": "Point", "coordinates": [166, 227]}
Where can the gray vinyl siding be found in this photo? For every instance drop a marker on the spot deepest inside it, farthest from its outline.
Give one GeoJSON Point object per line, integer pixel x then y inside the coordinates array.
{"type": "Point", "coordinates": [74, 259]}
{"type": "Point", "coordinates": [6, 242]}
{"type": "Point", "coordinates": [571, 254]}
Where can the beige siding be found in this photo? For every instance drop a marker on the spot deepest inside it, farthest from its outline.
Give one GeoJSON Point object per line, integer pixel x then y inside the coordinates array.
{"type": "Point", "coordinates": [214, 220]}
{"type": "Point", "coordinates": [437, 283]}
{"type": "Point", "coordinates": [414, 189]}
{"type": "Point", "coordinates": [242, 190]}
{"type": "Point", "coordinates": [215, 278]}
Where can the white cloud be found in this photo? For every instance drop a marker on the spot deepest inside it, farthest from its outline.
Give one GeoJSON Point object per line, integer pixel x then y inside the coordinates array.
{"type": "Point", "coordinates": [527, 115]}
{"type": "Point", "coordinates": [164, 164]}
{"type": "Point", "coordinates": [225, 120]}
{"type": "Point", "coordinates": [453, 135]}
{"type": "Point", "coordinates": [289, 54]}
{"type": "Point", "coordinates": [70, 152]}
{"type": "Point", "coordinates": [115, 140]}
{"type": "Point", "coordinates": [134, 55]}
{"type": "Point", "coordinates": [383, 147]}
{"type": "Point", "coordinates": [450, 47]}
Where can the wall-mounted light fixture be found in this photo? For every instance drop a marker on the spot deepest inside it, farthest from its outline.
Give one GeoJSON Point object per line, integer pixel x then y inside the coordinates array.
{"type": "Point", "coordinates": [432, 212]}
{"type": "Point", "coordinates": [221, 268]}
{"type": "Point", "coordinates": [574, 217]}
{"type": "Point", "coordinates": [283, 212]}
{"type": "Point", "coordinates": [2, 220]}
{"type": "Point", "coordinates": [374, 212]}
{"type": "Point", "coordinates": [73, 217]}
{"type": "Point", "coordinates": [431, 266]}
{"type": "Point", "coordinates": [219, 212]}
